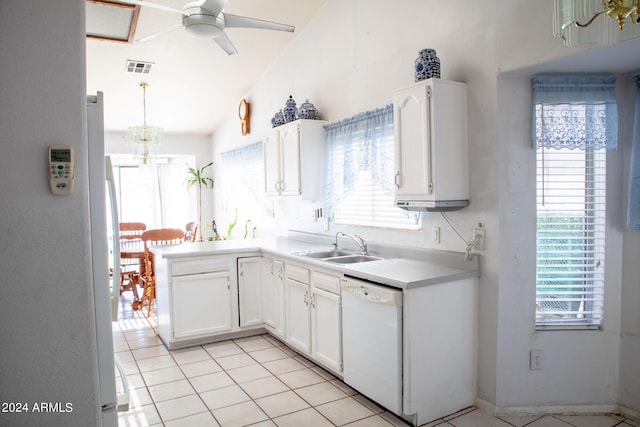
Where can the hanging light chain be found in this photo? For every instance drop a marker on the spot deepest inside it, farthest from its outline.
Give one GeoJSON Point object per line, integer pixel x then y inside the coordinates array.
{"type": "Point", "coordinates": [144, 103]}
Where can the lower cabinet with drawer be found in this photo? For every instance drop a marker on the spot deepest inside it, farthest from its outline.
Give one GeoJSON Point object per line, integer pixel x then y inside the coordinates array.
{"type": "Point", "coordinates": [313, 315]}
{"type": "Point", "coordinates": [194, 299]}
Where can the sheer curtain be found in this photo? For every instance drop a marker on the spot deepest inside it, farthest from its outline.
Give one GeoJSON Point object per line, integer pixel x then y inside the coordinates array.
{"type": "Point", "coordinates": [633, 205]}
{"type": "Point", "coordinates": [575, 112]}
{"type": "Point", "coordinates": [359, 170]}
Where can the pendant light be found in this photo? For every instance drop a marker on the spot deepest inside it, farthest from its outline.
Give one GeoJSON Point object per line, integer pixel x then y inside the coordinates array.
{"type": "Point", "coordinates": [145, 139]}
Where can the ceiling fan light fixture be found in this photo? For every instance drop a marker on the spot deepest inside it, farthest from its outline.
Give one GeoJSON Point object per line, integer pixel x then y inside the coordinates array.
{"type": "Point", "coordinates": [201, 24]}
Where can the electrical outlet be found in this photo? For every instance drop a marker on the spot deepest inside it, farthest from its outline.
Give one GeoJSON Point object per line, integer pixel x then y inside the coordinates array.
{"type": "Point", "coordinates": [435, 236]}
{"type": "Point", "coordinates": [478, 238]}
{"type": "Point", "coordinates": [535, 360]}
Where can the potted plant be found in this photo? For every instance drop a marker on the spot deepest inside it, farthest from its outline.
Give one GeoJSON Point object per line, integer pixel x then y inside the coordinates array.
{"type": "Point", "coordinates": [196, 177]}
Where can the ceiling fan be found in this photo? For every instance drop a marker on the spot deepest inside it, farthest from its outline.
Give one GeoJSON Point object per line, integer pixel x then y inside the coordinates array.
{"type": "Point", "coordinates": [205, 19]}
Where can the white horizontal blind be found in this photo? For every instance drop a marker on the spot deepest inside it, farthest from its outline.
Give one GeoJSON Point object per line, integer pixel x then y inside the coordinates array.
{"type": "Point", "coordinates": [359, 173]}
{"type": "Point", "coordinates": [571, 203]}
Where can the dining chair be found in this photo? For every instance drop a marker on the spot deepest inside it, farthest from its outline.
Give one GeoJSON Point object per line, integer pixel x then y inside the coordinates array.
{"type": "Point", "coordinates": [190, 232]}
{"type": "Point", "coordinates": [159, 236]}
{"type": "Point", "coordinates": [130, 268]}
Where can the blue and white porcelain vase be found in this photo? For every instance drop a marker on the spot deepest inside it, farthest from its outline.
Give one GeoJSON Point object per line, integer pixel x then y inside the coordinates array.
{"type": "Point", "coordinates": [427, 65]}
{"type": "Point", "coordinates": [278, 119]}
{"type": "Point", "coordinates": [307, 111]}
{"type": "Point", "coordinates": [290, 110]}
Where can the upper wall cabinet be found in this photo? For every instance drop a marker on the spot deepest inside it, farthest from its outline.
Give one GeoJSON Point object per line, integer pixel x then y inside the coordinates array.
{"type": "Point", "coordinates": [293, 159]}
{"type": "Point", "coordinates": [431, 155]}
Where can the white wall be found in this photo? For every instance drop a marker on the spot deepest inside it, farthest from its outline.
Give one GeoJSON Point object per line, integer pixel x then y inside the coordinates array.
{"type": "Point", "coordinates": [349, 59]}
{"type": "Point", "coordinates": [47, 316]}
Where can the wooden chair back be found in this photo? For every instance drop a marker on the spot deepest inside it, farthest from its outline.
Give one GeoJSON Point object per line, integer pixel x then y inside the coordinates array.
{"type": "Point", "coordinates": [159, 236]}
{"type": "Point", "coordinates": [131, 230]}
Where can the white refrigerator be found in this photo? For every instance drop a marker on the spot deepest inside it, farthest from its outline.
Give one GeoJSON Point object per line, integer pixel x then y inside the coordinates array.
{"type": "Point", "coordinates": [104, 216]}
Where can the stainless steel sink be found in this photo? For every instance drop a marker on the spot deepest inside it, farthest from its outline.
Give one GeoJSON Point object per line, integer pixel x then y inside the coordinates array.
{"type": "Point", "coordinates": [324, 254]}
{"type": "Point", "coordinates": [338, 256]}
{"type": "Point", "coordinates": [351, 259]}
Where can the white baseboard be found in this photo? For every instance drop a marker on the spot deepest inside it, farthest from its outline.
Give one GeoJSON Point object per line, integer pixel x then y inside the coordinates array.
{"type": "Point", "coordinates": [499, 411]}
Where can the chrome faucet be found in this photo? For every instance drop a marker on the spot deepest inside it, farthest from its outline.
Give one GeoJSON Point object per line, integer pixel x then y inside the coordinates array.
{"type": "Point", "coordinates": [359, 241]}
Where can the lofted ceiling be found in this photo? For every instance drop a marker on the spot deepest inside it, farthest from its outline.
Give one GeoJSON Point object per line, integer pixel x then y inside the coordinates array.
{"type": "Point", "coordinates": [193, 84]}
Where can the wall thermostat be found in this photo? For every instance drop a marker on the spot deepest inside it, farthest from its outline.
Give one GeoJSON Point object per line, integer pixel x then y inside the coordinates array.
{"type": "Point", "coordinates": [61, 169]}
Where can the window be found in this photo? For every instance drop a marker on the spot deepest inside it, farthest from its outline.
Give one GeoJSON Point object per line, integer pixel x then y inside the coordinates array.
{"type": "Point", "coordinates": [359, 172]}
{"type": "Point", "coordinates": [575, 122]}
{"type": "Point", "coordinates": [154, 194]}
{"type": "Point", "coordinates": [241, 181]}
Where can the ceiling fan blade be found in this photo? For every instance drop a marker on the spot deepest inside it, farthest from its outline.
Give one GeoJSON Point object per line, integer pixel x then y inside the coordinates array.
{"type": "Point", "coordinates": [213, 6]}
{"type": "Point", "coordinates": [151, 4]}
{"type": "Point", "coordinates": [225, 43]}
{"type": "Point", "coordinates": [159, 33]}
{"type": "Point", "coordinates": [231, 21]}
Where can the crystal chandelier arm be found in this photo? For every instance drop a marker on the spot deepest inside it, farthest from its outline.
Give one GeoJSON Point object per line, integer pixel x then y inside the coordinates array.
{"type": "Point", "coordinates": [590, 21]}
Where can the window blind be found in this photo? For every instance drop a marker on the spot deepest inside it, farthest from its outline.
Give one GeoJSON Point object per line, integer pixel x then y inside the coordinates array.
{"type": "Point", "coordinates": [571, 202]}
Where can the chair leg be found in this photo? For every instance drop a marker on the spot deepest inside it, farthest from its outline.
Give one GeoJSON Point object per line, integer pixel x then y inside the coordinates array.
{"type": "Point", "coordinates": [151, 295]}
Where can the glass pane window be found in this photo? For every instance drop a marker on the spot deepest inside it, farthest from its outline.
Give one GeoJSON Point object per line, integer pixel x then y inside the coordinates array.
{"type": "Point", "coordinates": [571, 202]}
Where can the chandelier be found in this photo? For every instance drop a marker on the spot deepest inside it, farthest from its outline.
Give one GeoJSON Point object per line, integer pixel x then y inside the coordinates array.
{"type": "Point", "coordinates": [145, 139]}
{"type": "Point", "coordinates": [576, 21]}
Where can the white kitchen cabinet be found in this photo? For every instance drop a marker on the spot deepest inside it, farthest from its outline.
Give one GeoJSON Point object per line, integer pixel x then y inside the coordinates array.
{"type": "Point", "coordinates": [431, 145]}
{"type": "Point", "coordinates": [273, 306]}
{"type": "Point", "coordinates": [314, 316]}
{"type": "Point", "coordinates": [249, 291]}
{"type": "Point", "coordinates": [293, 159]}
{"type": "Point", "coordinates": [298, 315]}
{"type": "Point", "coordinates": [195, 301]}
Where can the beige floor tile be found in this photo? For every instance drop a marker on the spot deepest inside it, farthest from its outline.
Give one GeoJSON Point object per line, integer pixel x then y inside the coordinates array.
{"type": "Point", "coordinates": [375, 421]}
{"type": "Point", "coordinates": [211, 381]}
{"type": "Point", "coordinates": [153, 363]}
{"type": "Point", "coordinates": [253, 343]}
{"type": "Point", "coordinates": [394, 420]}
{"type": "Point", "coordinates": [548, 421]}
{"type": "Point", "coordinates": [323, 373]}
{"type": "Point", "coordinates": [301, 378]}
{"type": "Point", "coordinates": [284, 365]}
{"type": "Point", "coordinates": [281, 404]}
{"type": "Point", "coordinates": [268, 354]}
{"type": "Point", "coordinates": [235, 361]}
{"type": "Point", "coordinates": [143, 416]}
{"type": "Point", "coordinates": [344, 411]}
{"type": "Point", "coordinates": [171, 390]}
{"type": "Point", "coordinates": [226, 396]}
{"type": "Point", "coordinates": [320, 393]}
{"type": "Point", "coordinates": [148, 352]}
{"type": "Point", "coordinates": [520, 420]}
{"type": "Point", "coordinates": [248, 373]}
{"type": "Point", "coordinates": [477, 418]}
{"type": "Point", "coordinates": [203, 367]}
{"type": "Point", "coordinates": [139, 397]}
{"type": "Point", "coordinates": [242, 414]}
{"type": "Point", "coordinates": [589, 421]}
{"type": "Point", "coordinates": [180, 407]}
{"type": "Point", "coordinates": [222, 349]}
{"type": "Point", "coordinates": [265, 423]}
{"type": "Point", "coordinates": [144, 342]}
{"type": "Point", "coordinates": [307, 418]}
{"type": "Point", "coordinates": [345, 388]}
{"type": "Point", "coordinates": [203, 419]}
{"type": "Point", "coordinates": [190, 355]}
{"type": "Point", "coordinates": [160, 376]}
{"type": "Point", "coordinates": [264, 387]}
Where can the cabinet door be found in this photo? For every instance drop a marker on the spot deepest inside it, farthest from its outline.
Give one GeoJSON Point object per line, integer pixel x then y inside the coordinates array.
{"type": "Point", "coordinates": [413, 141]}
{"type": "Point", "coordinates": [326, 330]}
{"type": "Point", "coordinates": [249, 295]}
{"type": "Point", "coordinates": [298, 328]}
{"type": "Point", "coordinates": [201, 304]}
{"type": "Point", "coordinates": [271, 151]}
{"type": "Point", "coordinates": [273, 295]}
{"type": "Point", "coordinates": [290, 154]}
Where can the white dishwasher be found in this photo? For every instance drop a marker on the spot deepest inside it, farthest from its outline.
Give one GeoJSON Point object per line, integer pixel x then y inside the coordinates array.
{"type": "Point", "coordinates": [372, 341]}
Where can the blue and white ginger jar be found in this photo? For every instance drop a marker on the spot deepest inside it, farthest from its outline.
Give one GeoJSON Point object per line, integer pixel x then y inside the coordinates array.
{"type": "Point", "coordinates": [307, 111]}
{"type": "Point", "coordinates": [290, 111]}
{"type": "Point", "coordinates": [427, 65]}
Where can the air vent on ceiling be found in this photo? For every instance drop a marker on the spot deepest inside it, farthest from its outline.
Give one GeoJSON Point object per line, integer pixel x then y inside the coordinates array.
{"type": "Point", "coordinates": [138, 67]}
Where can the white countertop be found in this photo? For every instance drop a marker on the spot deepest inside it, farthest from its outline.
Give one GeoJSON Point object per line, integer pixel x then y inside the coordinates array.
{"type": "Point", "coordinates": [402, 268]}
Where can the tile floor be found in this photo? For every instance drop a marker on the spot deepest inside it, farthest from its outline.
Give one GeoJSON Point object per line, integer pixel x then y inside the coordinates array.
{"type": "Point", "coordinates": [258, 381]}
